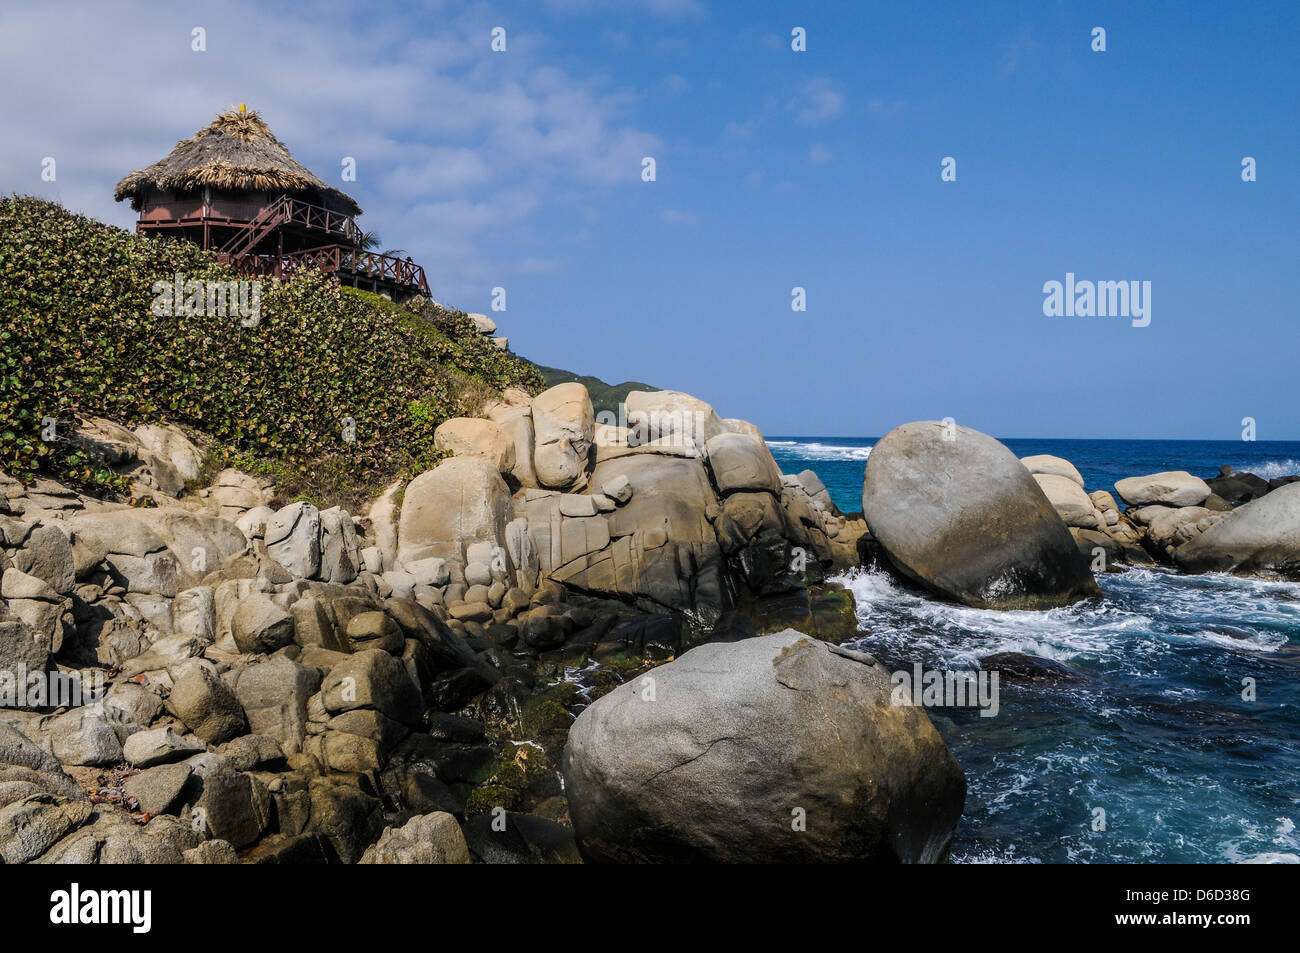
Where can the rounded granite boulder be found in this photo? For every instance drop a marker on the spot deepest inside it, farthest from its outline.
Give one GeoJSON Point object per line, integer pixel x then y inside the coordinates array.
{"type": "Point", "coordinates": [956, 511]}
{"type": "Point", "coordinates": [775, 749]}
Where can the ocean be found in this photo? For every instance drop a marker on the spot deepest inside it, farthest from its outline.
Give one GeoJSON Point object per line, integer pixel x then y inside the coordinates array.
{"type": "Point", "coordinates": [1160, 753]}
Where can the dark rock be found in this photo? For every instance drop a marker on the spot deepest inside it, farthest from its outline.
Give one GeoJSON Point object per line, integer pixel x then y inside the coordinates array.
{"type": "Point", "coordinates": [526, 839]}
{"type": "Point", "coordinates": [1019, 667]}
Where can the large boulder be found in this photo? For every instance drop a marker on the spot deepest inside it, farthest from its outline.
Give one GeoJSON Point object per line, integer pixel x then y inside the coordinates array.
{"type": "Point", "coordinates": [1072, 505]}
{"type": "Point", "coordinates": [1260, 536]}
{"type": "Point", "coordinates": [1173, 488]}
{"type": "Point", "coordinates": [427, 839]}
{"type": "Point", "coordinates": [564, 426]}
{"type": "Point", "coordinates": [672, 417]}
{"type": "Point", "coordinates": [462, 500]}
{"type": "Point", "coordinates": [293, 539]}
{"type": "Point", "coordinates": [1049, 465]}
{"type": "Point", "coordinates": [741, 462]}
{"type": "Point", "coordinates": [205, 704]}
{"type": "Point", "coordinates": [174, 447]}
{"type": "Point", "coordinates": [774, 749]}
{"type": "Point", "coordinates": [372, 679]}
{"type": "Point", "coordinates": [260, 625]}
{"type": "Point", "coordinates": [517, 424]}
{"type": "Point", "coordinates": [274, 696]}
{"type": "Point", "coordinates": [472, 437]}
{"type": "Point", "coordinates": [658, 549]}
{"type": "Point", "coordinates": [956, 511]}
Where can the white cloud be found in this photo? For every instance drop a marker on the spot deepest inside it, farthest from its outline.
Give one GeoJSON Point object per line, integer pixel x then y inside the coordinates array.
{"type": "Point", "coordinates": [818, 100]}
{"type": "Point", "coordinates": [675, 216]}
{"type": "Point", "coordinates": [819, 154]}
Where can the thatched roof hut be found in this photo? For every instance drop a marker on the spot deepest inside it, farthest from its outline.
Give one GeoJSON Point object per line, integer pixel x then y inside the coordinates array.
{"type": "Point", "coordinates": [235, 153]}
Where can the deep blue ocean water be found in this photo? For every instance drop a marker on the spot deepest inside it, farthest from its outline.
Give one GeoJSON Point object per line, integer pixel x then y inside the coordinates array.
{"type": "Point", "coordinates": [1158, 736]}
{"type": "Point", "coordinates": [839, 461]}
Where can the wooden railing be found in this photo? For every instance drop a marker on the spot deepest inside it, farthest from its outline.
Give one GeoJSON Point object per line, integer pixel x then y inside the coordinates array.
{"type": "Point", "coordinates": [292, 211]}
{"type": "Point", "coordinates": [341, 260]}
{"type": "Point", "coordinates": [319, 217]}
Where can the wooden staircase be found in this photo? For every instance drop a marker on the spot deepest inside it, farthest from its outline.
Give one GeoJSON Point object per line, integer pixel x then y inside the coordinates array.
{"type": "Point", "coordinates": [247, 238]}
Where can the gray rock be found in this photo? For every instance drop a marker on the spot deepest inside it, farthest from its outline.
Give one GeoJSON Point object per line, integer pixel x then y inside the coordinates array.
{"type": "Point", "coordinates": [158, 789]}
{"type": "Point", "coordinates": [673, 418]}
{"type": "Point", "coordinates": [474, 437]}
{"type": "Point", "coordinates": [274, 695]}
{"type": "Point", "coordinates": [31, 826]}
{"type": "Point", "coordinates": [564, 426]}
{"type": "Point", "coordinates": [47, 555]}
{"type": "Point", "coordinates": [374, 630]}
{"type": "Point", "coordinates": [194, 613]}
{"type": "Point", "coordinates": [373, 679]}
{"type": "Point", "coordinates": [253, 751]}
{"type": "Point", "coordinates": [83, 736]}
{"type": "Point", "coordinates": [212, 852]}
{"type": "Point", "coordinates": [1048, 465]}
{"type": "Point", "coordinates": [340, 552]}
{"type": "Point", "coordinates": [205, 704]}
{"type": "Point", "coordinates": [740, 462]}
{"type": "Point", "coordinates": [174, 447]}
{"type": "Point", "coordinates": [293, 539]}
{"type": "Point", "coordinates": [259, 625]}
{"type": "Point", "coordinates": [618, 488]}
{"type": "Point", "coordinates": [1262, 536]}
{"type": "Point", "coordinates": [956, 511]}
{"type": "Point", "coordinates": [253, 523]}
{"type": "Point", "coordinates": [21, 650]}
{"type": "Point", "coordinates": [144, 749]}
{"type": "Point", "coordinates": [113, 838]}
{"type": "Point", "coordinates": [1174, 488]}
{"type": "Point", "coordinates": [429, 572]}
{"type": "Point", "coordinates": [714, 758]}
{"type": "Point", "coordinates": [228, 805]}
{"type": "Point", "coordinates": [426, 839]}
{"type": "Point", "coordinates": [461, 500]}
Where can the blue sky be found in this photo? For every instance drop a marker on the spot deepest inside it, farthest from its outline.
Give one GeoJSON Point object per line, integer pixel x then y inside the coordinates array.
{"type": "Point", "coordinates": [775, 169]}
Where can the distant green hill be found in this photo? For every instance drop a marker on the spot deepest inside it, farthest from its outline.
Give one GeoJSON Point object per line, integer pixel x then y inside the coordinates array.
{"type": "Point", "coordinates": [604, 397]}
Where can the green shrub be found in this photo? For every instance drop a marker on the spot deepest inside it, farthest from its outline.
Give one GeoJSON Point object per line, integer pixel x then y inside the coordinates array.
{"type": "Point", "coordinates": [78, 338]}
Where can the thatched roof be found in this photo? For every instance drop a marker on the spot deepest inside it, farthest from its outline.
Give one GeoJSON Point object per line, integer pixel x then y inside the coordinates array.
{"type": "Point", "coordinates": [237, 151]}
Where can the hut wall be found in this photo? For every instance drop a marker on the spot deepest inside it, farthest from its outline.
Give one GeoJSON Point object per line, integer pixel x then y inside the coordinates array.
{"type": "Point", "coordinates": [162, 206]}
{"type": "Point", "coordinates": [241, 206]}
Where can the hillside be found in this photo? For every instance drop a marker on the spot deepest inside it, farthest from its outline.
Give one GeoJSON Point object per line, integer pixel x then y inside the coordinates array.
{"type": "Point", "coordinates": [79, 337]}
{"type": "Point", "coordinates": [604, 397]}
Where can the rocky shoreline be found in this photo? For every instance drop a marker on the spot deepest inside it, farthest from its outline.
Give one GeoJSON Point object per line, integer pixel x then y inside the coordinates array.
{"type": "Point", "coordinates": [569, 640]}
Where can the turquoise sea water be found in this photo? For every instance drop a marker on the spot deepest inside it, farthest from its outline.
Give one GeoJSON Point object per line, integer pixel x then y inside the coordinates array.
{"type": "Point", "coordinates": [1157, 735]}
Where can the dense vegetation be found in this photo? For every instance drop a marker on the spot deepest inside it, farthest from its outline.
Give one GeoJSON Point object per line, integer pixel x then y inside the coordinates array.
{"type": "Point", "coordinates": [604, 397]}
{"type": "Point", "coordinates": [78, 338]}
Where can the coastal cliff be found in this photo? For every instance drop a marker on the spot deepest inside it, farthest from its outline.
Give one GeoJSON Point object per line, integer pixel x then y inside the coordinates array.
{"type": "Point", "coordinates": [338, 585]}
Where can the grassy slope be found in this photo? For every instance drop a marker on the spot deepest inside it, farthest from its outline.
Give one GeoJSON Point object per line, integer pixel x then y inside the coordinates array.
{"type": "Point", "coordinates": [78, 338]}
{"type": "Point", "coordinates": [604, 397]}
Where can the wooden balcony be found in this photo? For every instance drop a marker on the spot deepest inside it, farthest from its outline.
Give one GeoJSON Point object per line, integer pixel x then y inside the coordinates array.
{"type": "Point", "coordinates": [222, 223]}
{"type": "Point", "coordinates": [399, 278]}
